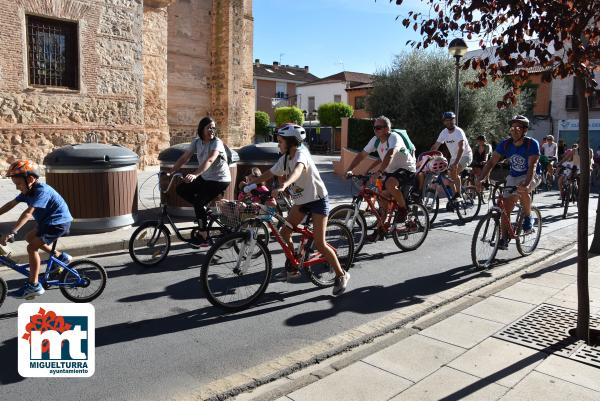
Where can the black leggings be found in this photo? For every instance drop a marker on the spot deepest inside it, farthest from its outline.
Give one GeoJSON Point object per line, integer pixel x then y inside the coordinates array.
{"type": "Point", "coordinates": [200, 193]}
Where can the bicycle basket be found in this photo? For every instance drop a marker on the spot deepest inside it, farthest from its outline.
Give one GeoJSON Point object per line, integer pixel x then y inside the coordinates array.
{"type": "Point", "coordinates": [232, 214]}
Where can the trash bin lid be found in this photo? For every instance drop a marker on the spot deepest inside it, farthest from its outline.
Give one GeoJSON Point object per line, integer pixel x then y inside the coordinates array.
{"type": "Point", "coordinates": [268, 151]}
{"type": "Point", "coordinates": [173, 153]}
{"type": "Point", "coordinates": [92, 155]}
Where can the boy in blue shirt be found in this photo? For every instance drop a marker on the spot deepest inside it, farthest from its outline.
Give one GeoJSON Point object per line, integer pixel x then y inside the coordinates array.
{"type": "Point", "coordinates": [51, 214]}
{"type": "Point", "coordinates": [523, 154]}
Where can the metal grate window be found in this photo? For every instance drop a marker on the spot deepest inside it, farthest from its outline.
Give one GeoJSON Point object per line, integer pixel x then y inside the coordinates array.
{"type": "Point", "coordinates": [52, 52]}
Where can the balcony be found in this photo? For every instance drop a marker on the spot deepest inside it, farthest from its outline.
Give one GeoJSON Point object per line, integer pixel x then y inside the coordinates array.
{"type": "Point", "coordinates": [572, 102]}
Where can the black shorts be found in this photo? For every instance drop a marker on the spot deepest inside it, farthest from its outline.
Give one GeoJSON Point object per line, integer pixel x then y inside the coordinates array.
{"type": "Point", "coordinates": [319, 206]}
{"type": "Point", "coordinates": [51, 233]}
{"type": "Point", "coordinates": [404, 177]}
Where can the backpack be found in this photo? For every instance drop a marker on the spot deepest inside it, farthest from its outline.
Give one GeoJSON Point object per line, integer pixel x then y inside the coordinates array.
{"type": "Point", "coordinates": [404, 135]}
{"type": "Point", "coordinates": [510, 140]}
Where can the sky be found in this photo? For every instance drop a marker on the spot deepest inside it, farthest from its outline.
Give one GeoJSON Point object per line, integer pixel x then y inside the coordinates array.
{"type": "Point", "coordinates": [332, 35]}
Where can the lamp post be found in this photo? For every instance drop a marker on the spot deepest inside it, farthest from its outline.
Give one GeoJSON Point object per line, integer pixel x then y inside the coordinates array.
{"type": "Point", "coordinates": [457, 49]}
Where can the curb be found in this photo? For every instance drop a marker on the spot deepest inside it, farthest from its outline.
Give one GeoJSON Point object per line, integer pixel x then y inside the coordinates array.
{"type": "Point", "coordinates": [394, 322]}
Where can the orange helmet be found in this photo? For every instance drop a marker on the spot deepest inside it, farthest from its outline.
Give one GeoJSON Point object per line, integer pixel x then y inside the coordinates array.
{"type": "Point", "coordinates": [22, 168]}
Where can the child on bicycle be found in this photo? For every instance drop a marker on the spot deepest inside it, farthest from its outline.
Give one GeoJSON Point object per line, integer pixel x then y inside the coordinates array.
{"type": "Point", "coordinates": [308, 192]}
{"type": "Point", "coordinates": [261, 187]}
{"type": "Point", "coordinates": [52, 216]}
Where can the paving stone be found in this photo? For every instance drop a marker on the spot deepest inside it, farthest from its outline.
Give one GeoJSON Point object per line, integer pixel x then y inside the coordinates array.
{"type": "Point", "coordinates": [499, 309]}
{"type": "Point", "coordinates": [450, 384]}
{"type": "Point", "coordinates": [357, 382]}
{"type": "Point", "coordinates": [499, 361]}
{"type": "Point", "coordinates": [552, 280]}
{"type": "Point", "coordinates": [462, 330]}
{"type": "Point", "coordinates": [571, 371]}
{"type": "Point", "coordinates": [533, 294]}
{"type": "Point", "coordinates": [415, 357]}
{"type": "Point", "coordinates": [538, 386]}
{"type": "Point", "coordinates": [569, 294]}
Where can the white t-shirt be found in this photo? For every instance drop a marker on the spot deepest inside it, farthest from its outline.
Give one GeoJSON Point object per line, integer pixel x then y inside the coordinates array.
{"type": "Point", "coordinates": [402, 159]}
{"type": "Point", "coordinates": [451, 140]}
{"type": "Point", "coordinates": [219, 170]}
{"type": "Point", "coordinates": [309, 187]}
{"type": "Point", "coordinates": [550, 150]}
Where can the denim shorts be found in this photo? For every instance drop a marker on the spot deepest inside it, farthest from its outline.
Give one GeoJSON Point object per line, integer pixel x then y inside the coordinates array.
{"type": "Point", "coordinates": [320, 206]}
{"type": "Point", "coordinates": [51, 233]}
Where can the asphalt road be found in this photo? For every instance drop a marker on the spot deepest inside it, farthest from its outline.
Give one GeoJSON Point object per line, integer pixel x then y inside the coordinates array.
{"type": "Point", "coordinates": [157, 336]}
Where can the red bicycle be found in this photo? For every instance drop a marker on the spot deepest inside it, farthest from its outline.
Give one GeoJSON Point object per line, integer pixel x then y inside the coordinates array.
{"type": "Point", "coordinates": [237, 269]}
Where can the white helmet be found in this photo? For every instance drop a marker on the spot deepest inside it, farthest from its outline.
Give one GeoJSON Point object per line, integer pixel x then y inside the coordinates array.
{"type": "Point", "coordinates": [524, 121]}
{"type": "Point", "coordinates": [293, 130]}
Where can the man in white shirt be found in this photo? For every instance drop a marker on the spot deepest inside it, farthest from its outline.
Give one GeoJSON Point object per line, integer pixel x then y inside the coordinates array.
{"type": "Point", "coordinates": [396, 162]}
{"type": "Point", "coordinates": [458, 146]}
{"type": "Point", "coordinates": [550, 150]}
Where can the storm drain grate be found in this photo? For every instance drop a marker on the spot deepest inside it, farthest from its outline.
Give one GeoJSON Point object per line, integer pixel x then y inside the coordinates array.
{"type": "Point", "coordinates": [546, 328]}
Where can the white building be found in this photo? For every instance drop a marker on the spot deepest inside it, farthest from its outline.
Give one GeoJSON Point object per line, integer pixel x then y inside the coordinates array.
{"type": "Point", "coordinates": [329, 89]}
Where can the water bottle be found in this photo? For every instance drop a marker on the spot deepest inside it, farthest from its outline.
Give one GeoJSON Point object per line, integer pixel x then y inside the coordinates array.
{"type": "Point", "coordinates": [379, 184]}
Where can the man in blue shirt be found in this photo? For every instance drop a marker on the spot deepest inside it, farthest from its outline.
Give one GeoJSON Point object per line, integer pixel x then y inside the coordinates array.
{"type": "Point", "coordinates": [523, 154]}
{"type": "Point", "coordinates": [51, 214]}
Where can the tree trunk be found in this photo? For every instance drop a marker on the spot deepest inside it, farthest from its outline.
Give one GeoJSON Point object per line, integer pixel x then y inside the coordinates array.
{"type": "Point", "coordinates": [583, 295]}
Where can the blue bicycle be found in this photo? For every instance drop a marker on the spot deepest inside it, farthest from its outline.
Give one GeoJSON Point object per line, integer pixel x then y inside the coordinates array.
{"type": "Point", "coordinates": [80, 281]}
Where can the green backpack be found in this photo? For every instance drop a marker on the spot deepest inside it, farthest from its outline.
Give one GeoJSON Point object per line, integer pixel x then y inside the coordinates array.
{"type": "Point", "coordinates": [404, 135]}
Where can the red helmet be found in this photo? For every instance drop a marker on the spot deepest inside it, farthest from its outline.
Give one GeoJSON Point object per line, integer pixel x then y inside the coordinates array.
{"type": "Point", "coordinates": [437, 164]}
{"type": "Point", "coordinates": [22, 168]}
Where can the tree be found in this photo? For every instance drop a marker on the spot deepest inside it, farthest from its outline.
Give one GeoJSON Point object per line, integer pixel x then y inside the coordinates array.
{"type": "Point", "coordinates": [330, 114]}
{"type": "Point", "coordinates": [422, 84]}
{"type": "Point", "coordinates": [290, 114]}
{"type": "Point", "coordinates": [261, 123]}
{"type": "Point", "coordinates": [567, 43]}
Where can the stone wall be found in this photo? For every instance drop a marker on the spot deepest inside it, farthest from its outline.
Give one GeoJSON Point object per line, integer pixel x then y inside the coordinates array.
{"type": "Point", "coordinates": [109, 100]}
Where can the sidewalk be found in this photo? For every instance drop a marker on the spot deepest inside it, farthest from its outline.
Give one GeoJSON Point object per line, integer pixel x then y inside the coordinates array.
{"type": "Point", "coordinates": [510, 345]}
{"type": "Point", "coordinates": [148, 202]}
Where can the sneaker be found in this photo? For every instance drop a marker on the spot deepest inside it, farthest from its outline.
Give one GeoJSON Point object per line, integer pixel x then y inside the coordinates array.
{"type": "Point", "coordinates": [340, 284]}
{"type": "Point", "coordinates": [503, 244]}
{"type": "Point", "coordinates": [65, 258]}
{"type": "Point", "coordinates": [527, 224]}
{"type": "Point", "coordinates": [29, 291]}
{"type": "Point", "coordinates": [288, 273]}
{"type": "Point", "coordinates": [450, 206]}
{"type": "Point", "coordinates": [375, 236]}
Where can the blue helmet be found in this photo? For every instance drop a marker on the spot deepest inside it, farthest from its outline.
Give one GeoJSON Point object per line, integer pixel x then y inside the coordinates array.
{"type": "Point", "coordinates": [448, 115]}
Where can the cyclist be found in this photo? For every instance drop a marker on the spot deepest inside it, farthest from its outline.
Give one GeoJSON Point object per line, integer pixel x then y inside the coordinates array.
{"type": "Point", "coordinates": [550, 154]}
{"type": "Point", "coordinates": [52, 217]}
{"type": "Point", "coordinates": [396, 163]}
{"type": "Point", "coordinates": [458, 146]}
{"type": "Point", "coordinates": [523, 154]}
{"type": "Point", "coordinates": [210, 179]}
{"type": "Point", "coordinates": [571, 159]}
{"type": "Point", "coordinates": [309, 194]}
{"type": "Point", "coordinates": [482, 153]}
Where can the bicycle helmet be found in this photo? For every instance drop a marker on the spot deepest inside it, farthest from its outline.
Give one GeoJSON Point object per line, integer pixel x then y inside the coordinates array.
{"type": "Point", "coordinates": [448, 115]}
{"type": "Point", "coordinates": [524, 121]}
{"type": "Point", "coordinates": [22, 168]}
{"type": "Point", "coordinates": [293, 130]}
{"type": "Point", "coordinates": [437, 164]}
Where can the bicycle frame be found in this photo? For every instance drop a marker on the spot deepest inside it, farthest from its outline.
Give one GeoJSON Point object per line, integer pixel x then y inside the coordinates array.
{"type": "Point", "coordinates": [499, 209]}
{"type": "Point", "coordinates": [23, 269]}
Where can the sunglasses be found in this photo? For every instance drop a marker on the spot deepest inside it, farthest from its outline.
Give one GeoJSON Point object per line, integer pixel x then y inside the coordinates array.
{"type": "Point", "coordinates": [379, 127]}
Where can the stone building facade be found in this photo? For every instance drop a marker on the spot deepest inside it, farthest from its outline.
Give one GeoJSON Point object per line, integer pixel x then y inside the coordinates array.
{"type": "Point", "coordinates": [140, 73]}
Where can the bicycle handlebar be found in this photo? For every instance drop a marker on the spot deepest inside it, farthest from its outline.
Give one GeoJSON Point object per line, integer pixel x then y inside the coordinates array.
{"type": "Point", "coordinates": [173, 176]}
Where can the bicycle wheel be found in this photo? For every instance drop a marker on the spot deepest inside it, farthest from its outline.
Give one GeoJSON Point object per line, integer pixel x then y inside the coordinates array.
{"type": "Point", "coordinates": [94, 280]}
{"type": "Point", "coordinates": [262, 232]}
{"type": "Point", "coordinates": [484, 244]}
{"type": "Point", "coordinates": [339, 237]}
{"type": "Point", "coordinates": [236, 271]}
{"type": "Point", "coordinates": [526, 243]}
{"type": "Point", "coordinates": [3, 291]}
{"type": "Point", "coordinates": [468, 207]}
{"type": "Point", "coordinates": [356, 224]}
{"type": "Point", "coordinates": [410, 233]}
{"type": "Point", "coordinates": [150, 243]}
{"type": "Point", "coordinates": [431, 202]}
{"type": "Point", "coordinates": [369, 216]}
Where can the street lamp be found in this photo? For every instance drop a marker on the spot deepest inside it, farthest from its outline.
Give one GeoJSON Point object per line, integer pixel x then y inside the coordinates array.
{"type": "Point", "coordinates": [457, 49]}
